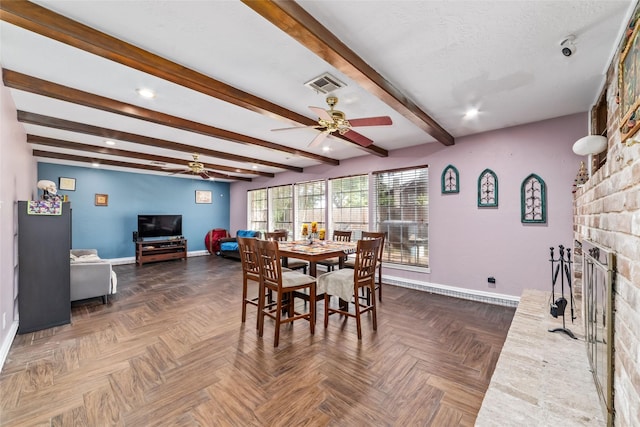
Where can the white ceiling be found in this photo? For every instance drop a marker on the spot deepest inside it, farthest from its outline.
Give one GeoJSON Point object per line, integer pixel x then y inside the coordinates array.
{"type": "Point", "coordinates": [502, 57]}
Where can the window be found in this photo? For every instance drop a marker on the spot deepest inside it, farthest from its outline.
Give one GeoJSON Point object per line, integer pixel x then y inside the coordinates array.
{"type": "Point", "coordinates": [310, 205]}
{"type": "Point", "coordinates": [349, 198]}
{"type": "Point", "coordinates": [281, 208]}
{"type": "Point", "coordinates": [257, 209]}
{"type": "Point", "coordinates": [402, 212]}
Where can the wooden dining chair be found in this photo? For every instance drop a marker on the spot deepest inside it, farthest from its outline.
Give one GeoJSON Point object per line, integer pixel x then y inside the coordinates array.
{"type": "Point", "coordinates": [247, 246]}
{"type": "Point", "coordinates": [292, 264]}
{"type": "Point", "coordinates": [347, 284]}
{"type": "Point", "coordinates": [284, 286]}
{"type": "Point", "coordinates": [338, 236]}
{"type": "Point", "coordinates": [350, 262]}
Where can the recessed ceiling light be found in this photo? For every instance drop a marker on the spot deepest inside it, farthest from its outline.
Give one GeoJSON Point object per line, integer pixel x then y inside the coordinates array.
{"type": "Point", "coordinates": [255, 166]}
{"type": "Point", "coordinates": [471, 113]}
{"type": "Point", "coordinates": [146, 93]}
{"type": "Point", "coordinates": [109, 142]}
{"type": "Point", "coordinates": [326, 148]}
{"type": "Point", "coordinates": [95, 164]}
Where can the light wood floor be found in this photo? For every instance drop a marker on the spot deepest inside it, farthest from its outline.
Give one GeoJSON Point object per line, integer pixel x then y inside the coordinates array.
{"type": "Point", "coordinates": [169, 349]}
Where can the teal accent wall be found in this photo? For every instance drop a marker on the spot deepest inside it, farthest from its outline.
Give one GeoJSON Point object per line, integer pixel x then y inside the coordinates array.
{"type": "Point", "coordinates": [109, 228]}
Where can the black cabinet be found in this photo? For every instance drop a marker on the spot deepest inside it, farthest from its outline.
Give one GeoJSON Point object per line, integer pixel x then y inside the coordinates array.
{"type": "Point", "coordinates": [44, 242]}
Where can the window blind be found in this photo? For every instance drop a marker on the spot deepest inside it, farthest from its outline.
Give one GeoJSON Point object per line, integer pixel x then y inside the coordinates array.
{"type": "Point", "coordinates": [402, 212]}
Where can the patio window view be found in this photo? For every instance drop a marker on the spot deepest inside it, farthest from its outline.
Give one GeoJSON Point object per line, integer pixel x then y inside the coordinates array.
{"type": "Point", "coordinates": [400, 208]}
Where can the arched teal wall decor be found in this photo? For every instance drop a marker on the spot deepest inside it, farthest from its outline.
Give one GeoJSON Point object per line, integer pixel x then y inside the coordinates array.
{"type": "Point", "coordinates": [533, 200]}
{"type": "Point", "coordinates": [487, 189]}
{"type": "Point", "coordinates": [450, 180]}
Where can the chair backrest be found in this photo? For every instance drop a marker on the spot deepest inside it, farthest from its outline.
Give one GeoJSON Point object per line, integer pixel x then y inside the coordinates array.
{"type": "Point", "coordinates": [367, 235]}
{"type": "Point", "coordinates": [247, 246]}
{"type": "Point", "coordinates": [341, 236]}
{"type": "Point", "coordinates": [269, 261]}
{"type": "Point", "coordinates": [279, 235]}
{"type": "Point", "coordinates": [366, 260]}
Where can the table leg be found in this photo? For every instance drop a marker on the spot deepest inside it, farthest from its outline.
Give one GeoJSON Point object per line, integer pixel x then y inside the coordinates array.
{"type": "Point", "coordinates": [312, 269]}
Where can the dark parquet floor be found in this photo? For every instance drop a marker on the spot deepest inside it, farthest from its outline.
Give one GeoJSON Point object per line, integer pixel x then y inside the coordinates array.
{"type": "Point", "coordinates": [169, 349]}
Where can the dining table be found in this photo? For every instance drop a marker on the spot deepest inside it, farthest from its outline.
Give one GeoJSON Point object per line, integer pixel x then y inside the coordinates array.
{"type": "Point", "coordinates": [314, 251]}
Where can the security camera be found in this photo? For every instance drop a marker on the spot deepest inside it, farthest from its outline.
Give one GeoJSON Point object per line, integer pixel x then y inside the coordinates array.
{"type": "Point", "coordinates": [567, 46]}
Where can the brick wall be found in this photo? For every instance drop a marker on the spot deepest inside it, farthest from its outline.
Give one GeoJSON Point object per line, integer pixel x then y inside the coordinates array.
{"type": "Point", "coordinates": [607, 211]}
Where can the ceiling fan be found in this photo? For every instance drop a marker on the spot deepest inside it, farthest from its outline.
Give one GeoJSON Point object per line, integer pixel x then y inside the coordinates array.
{"type": "Point", "coordinates": [194, 167]}
{"type": "Point", "coordinates": [330, 121]}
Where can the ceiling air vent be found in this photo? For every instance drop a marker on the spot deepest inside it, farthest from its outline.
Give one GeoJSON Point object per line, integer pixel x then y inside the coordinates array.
{"type": "Point", "coordinates": [325, 83]}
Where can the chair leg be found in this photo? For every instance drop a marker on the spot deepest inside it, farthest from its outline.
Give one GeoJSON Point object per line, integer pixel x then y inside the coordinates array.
{"type": "Point", "coordinates": [374, 311]}
{"type": "Point", "coordinates": [327, 299]}
{"type": "Point", "coordinates": [292, 305]}
{"type": "Point", "coordinates": [244, 299]}
{"type": "Point", "coordinates": [276, 338]}
{"type": "Point", "coordinates": [379, 283]}
{"type": "Point", "coordinates": [261, 314]}
{"type": "Point", "coordinates": [312, 308]}
{"type": "Point", "coordinates": [358, 323]}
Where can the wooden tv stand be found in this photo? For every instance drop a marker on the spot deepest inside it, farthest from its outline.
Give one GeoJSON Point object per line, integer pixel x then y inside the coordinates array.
{"type": "Point", "coordinates": [160, 250]}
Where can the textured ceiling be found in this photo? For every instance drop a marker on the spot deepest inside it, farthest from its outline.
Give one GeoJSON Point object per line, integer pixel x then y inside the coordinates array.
{"type": "Point", "coordinates": [438, 57]}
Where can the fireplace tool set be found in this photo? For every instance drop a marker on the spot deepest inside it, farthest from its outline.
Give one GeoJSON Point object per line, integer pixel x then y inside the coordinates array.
{"type": "Point", "coordinates": [561, 267]}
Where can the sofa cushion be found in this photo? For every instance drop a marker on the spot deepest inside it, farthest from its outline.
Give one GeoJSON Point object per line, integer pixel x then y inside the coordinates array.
{"type": "Point", "coordinates": [229, 246]}
{"type": "Point", "coordinates": [86, 258]}
{"type": "Point", "coordinates": [246, 233]}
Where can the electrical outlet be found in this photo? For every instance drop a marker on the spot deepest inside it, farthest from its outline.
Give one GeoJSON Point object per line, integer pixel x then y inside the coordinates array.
{"type": "Point", "coordinates": [492, 281]}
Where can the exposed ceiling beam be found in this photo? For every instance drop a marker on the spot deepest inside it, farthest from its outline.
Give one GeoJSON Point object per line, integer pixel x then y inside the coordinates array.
{"type": "Point", "coordinates": [38, 86]}
{"type": "Point", "coordinates": [59, 143]}
{"type": "Point", "coordinates": [291, 18]}
{"type": "Point", "coordinates": [52, 122]}
{"type": "Point", "coordinates": [81, 159]}
{"type": "Point", "coordinates": [47, 23]}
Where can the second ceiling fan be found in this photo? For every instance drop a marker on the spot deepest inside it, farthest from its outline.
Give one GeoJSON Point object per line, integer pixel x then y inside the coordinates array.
{"type": "Point", "coordinates": [193, 168]}
{"type": "Point", "coordinates": [330, 121]}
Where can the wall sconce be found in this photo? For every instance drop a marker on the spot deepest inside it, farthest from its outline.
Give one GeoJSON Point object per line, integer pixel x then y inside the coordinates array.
{"type": "Point", "coordinates": [588, 146]}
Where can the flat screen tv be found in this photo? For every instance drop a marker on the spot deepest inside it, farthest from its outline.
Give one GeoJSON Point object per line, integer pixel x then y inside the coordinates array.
{"type": "Point", "coordinates": [159, 226]}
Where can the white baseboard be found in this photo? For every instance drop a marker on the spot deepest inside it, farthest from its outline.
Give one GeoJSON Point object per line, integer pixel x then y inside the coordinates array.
{"type": "Point", "coordinates": [6, 344]}
{"type": "Point", "coordinates": [452, 291]}
{"type": "Point", "coordinates": [132, 260]}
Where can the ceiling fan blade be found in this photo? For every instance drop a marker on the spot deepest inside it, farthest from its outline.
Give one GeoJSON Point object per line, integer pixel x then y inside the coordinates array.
{"type": "Point", "coordinates": [177, 171]}
{"type": "Point", "coordinates": [294, 127]}
{"type": "Point", "coordinates": [371, 121]}
{"type": "Point", "coordinates": [358, 138]}
{"type": "Point", "coordinates": [318, 139]}
{"type": "Point", "coordinates": [322, 113]}
{"type": "Point", "coordinates": [204, 175]}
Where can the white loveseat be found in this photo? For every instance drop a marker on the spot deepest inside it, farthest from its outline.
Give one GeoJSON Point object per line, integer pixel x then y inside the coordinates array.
{"type": "Point", "coordinates": [91, 276]}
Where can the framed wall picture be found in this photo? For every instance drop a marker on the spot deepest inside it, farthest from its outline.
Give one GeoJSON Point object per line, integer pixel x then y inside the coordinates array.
{"type": "Point", "coordinates": [629, 81]}
{"type": "Point", "coordinates": [203, 196]}
{"type": "Point", "coordinates": [68, 184]}
{"type": "Point", "coordinates": [450, 180]}
{"type": "Point", "coordinates": [487, 189]}
{"type": "Point", "coordinates": [102, 200]}
{"type": "Point", "coordinates": [533, 200]}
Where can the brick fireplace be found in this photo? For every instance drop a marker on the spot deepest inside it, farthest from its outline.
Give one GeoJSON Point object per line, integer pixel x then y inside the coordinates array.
{"type": "Point", "coordinates": [607, 213]}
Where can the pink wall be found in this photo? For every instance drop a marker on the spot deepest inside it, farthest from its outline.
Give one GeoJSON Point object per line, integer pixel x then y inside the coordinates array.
{"type": "Point", "coordinates": [468, 244]}
{"type": "Point", "coordinates": [17, 182]}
